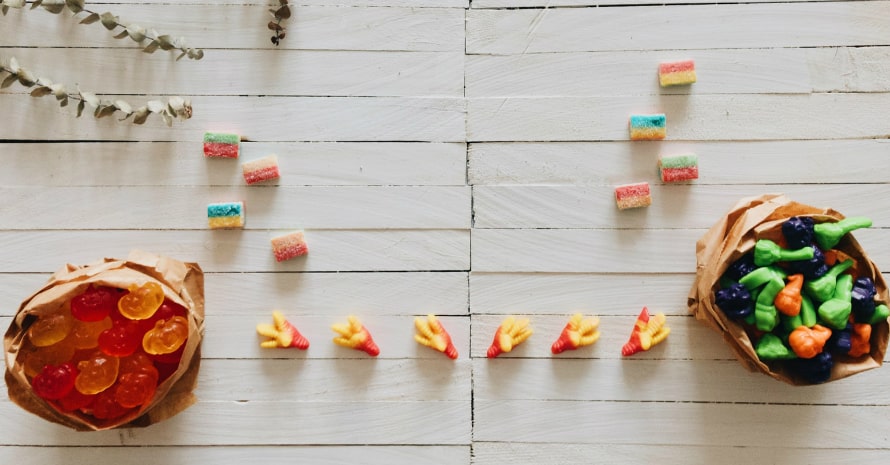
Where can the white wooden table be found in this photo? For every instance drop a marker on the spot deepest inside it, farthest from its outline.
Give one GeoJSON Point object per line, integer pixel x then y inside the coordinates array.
{"type": "Point", "coordinates": [457, 159]}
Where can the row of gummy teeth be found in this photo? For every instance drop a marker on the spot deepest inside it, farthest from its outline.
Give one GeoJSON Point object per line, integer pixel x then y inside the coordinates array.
{"type": "Point", "coordinates": [822, 306]}
{"type": "Point", "coordinates": [578, 332]}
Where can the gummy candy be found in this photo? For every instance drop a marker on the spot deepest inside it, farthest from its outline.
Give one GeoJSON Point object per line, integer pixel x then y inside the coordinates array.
{"type": "Point", "coordinates": [808, 342]}
{"type": "Point", "coordinates": [97, 373]}
{"type": "Point", "coordinates": [50, 329]}
{"type": "Point", "coordinates": [812, 268]}
{"type": "Point", "coordinates": [75, 400]}
{"type": "Point", "coordinates": [823, 288]}
{"type": "Point", "coordinates": [788, 300]}
{"type": "Point", "coordinates": [836, 311]}
{"type": "Point", "coordinates": [735, 301]}
{"type": "Point", "coordinates": [509, 334]}
{"type": "Point", "coordinates": [860, 343]}
{"type": "Point", "coordinates": [54, 381]}
{"type": "Point", "coordinates": [578, 332]}
{"type": "Point", "coordinates": [816, 369]}
{"type": "Point", "coordinates": [106, 408]}
{"type": "Point", "coordinates": [863, 299]}
{"type": "Point", "coordinates": [355, 336]}
{"type": "Point", "coordinates": [840, 340]}
{"type": "Point", "coordinates": [767, 252]}
{"type": "Point", "coordinates": [166, 336]}
{"type": "Point", "coordinates": [741, 267]}
{"type": "Point", "coordinates": [648, 331]}
{"type": "Point", "coordinates": [432, 334]}
{"type": "Point", "coordinates": [138, 381]}
{"type": "Point", "coordinates": [85, 335]}
{"type": "Point", "coordinates": [282, 333]}
{"type": "Point", "coordinates": [770, 347]}
{"type": "Point", "coordinates": [142, 301]}
{"type": "Point", "coordinates": [172, 357]}
{"type": "Point", "coordinates": [94, 304]}
{"type": "Point", "coordinates": [829, 234]}
{"type": "Point", "coordinates": [35, 358]}
{"type": "Point", "coordinates": [798, 231]}
{"type": "Point", "coordinates": [122, 339]}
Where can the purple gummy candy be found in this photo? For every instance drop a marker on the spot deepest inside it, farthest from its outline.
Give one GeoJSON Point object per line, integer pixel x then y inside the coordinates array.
{"type": "Point", "coordinates": [735, 301]}
{"type": "Point", "coordinates": [863, 300]}
{"type": "Point", "coordinates": [840, 341]}
{"type": "Point", "coordinates": [815, 370]}
{"type": "Point", "coordinates": [798, 231]}
{"type": "Point", "coordinates": [741, 267]}
{"type": "Point", "coordinates": [812, 268]}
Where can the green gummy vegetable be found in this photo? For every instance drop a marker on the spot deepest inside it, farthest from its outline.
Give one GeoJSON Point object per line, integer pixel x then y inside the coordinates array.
{"type": "Point", "coordinates": [761, 276]}
{"type": "Point", "coordinates": [823, 288]}
{"type": "Point", "coordinates": [767, 252]}
{"type": "Point", "coordinates": [880, 315]}
{"type": "Point", "coordinates": [829, 234]}
{"type": "Point", "coordinates": [766, 316]}
{"type": "Point", "coordinates": [807, 311]}
{"type": "Point", "coordinates": [790, 323]}
{"type": "Point", "coordinates": [836, 311]}
{"type": "Point", "coordinates": [770, 347]}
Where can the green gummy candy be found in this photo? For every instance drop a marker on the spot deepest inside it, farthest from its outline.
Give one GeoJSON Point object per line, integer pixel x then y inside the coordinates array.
{"type": "Point", "coordinates": [770, 347]}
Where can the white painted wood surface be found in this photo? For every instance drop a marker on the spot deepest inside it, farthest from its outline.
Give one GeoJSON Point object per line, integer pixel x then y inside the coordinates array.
{"type": "Point", "coordinates": [453, 157]}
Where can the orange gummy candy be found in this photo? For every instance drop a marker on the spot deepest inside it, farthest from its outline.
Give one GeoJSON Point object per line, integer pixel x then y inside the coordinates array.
{"type": "Point", "coordinates": [138, 381]}
{"type": "Point", "coordinates": [50, 329]}
{"type": "Point", "coordinates": [97, 373]}
{"type": "Point", "coordinates": [166, 336]}
{"type": "Point", "coordinates": [142, 301]}
{"type": "Point", "coordinates": [85, 334]}
{"type": "Point", "coordinates": [35, 358]}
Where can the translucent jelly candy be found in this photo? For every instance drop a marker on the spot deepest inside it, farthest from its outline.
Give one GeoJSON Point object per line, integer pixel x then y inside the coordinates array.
{"type": "Point", "coordinates": [142, 301]}
{"type": "Point", "coordinates": [50, 329]}
{"type": "Point", "coordinates": [97, 373]}
{"type": "Point", "coordinates": [171, 358]}
{"type": "Point", "coordinates": [54, 381]}
{"type": "Point", "coordinates": [138, 381]}
{"type": "Point", "coordinates": [35, 358]}
{"type": "Point", "coordinates": [106, 408]}
{"type": "Point", "coordinates": [94, 304]}
{"type": "Point", "coordinates": [85, 335]}
{"type": "Point", "coordinates": [166, 336]}
{"type": "Point", "coordinates": [122, 339]}
{"type": "Point", "coordinates": [75, 400]}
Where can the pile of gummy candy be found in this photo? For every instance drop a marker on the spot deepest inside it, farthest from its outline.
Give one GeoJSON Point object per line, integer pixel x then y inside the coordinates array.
{"type": "Point", "coordinates": [803, 301]}
{"type": "Point", "coordinates": [106, 351]}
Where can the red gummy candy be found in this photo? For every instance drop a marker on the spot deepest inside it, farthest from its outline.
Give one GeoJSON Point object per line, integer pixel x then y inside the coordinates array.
{"type": "Point", "coordinates": [75, 400]}
{"type": "Point", "coordinates": [166, 370]}
{"type": "Point", "coordinates": [105, 407]}
{"type": "Point", "coordinates": [122, 339]}
{"type": "Point", "coordinates": [135, 389]}
{"type": "Point", "coordinates": [172, 357]}
{"type": "Point", "coordinates": [94, 304]}
{"type": "Point", "coordinates": [54, 381]}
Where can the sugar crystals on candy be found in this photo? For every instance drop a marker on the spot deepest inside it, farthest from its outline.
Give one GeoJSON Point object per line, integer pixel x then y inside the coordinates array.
{"type": "Point", "coordinates": [633, 195]}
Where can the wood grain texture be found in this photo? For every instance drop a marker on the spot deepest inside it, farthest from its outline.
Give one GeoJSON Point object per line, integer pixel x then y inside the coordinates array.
{"type": "Point", "coordinates": [295, 119]}
{"type": "Point", "coordinates": [356, 3]}
{"type": "Point", "coordinates": [722, 71]}
{"type": "Point", "coordinates": [246, 251]}
{"type": "Point", "coordinates": [519, 31]}
{"type": "Point", "coordinates": [153, 207]}
{"type": "Point", "coordinates": [183, 164]}
{"type": "Point", "coordinates": [693, 117]}
{"type": "Point", "coordinates": [214, 26]}
{"type": "Point", "coordinates": [613, 163]}
{"type": "Point", "coordinates": [591, 3]}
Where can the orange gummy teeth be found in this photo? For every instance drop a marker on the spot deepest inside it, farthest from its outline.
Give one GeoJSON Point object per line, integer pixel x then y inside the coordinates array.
{"type": "Point", "coordinates": [578, 332]}
{"type": "Point", "coordinates": [355, 336]}
{"type": "Point", "coordinates": [510, 334]}
{"type": "Point", "coordinates": [432, 334]}
{"type": "Point", "coordinates": [647, 332]}
{"type": "Point", "coordinates": [282, 334]}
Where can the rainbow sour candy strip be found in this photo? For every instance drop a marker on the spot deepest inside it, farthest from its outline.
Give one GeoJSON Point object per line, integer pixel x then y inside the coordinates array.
{"type": "Point", "coordinates": [647, 127]}
{"type": "Point", "coordinates": [633, 195]}
{"type": "Point", "coordinates": [221, 145]}
{"type": "Point", "coordinates": [678, 168]}
{"type": "Point", "coordinates": [261, 169]}
{"type": "Point", "coordinates": [677, 73]}
{"type": "Point", "coordinates": [225, 215]}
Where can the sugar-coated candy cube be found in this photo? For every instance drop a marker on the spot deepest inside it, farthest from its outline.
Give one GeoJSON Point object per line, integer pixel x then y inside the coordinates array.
{"type": "Point", "coordinates": [647, 127]}
{"type": "Point", "coordinates": [225, 215]}
{"type": "Point", "coordinates": [261, 169]}
{"type": "Point", "coordinates": [677, 168]}
{"type": "Point", "coordinates": [289, 246]}
{"type": "Point", "coordinates": [221, 145]}
{"type": "Point", "coordinates": [676, 73]}
{"type": "Point", "coordinates": [633, 195]}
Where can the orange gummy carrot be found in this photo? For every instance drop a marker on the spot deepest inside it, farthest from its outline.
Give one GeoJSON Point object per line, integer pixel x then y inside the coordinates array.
{"type": "Point", "coordinates": [788, 300]}
{"type": "Point", "coordinates": [282, 334]}
{"type": "Point", "coordinates": [860, 342]}
{"type": "Point", "coordinates": [510, 334]}
{"type": "Point", "coordinates": [432, 334]}
{"type": "Point", "coordinates": [355, 336]}
{"type": "Point", "coordinates": [648, 331]}
{"type": "Point", "coordinates": [808, 342]}
{"type": "Point", "coordinates": [578, 332]}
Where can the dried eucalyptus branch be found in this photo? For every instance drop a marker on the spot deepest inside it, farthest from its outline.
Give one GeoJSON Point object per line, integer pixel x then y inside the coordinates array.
{"type": "Point", "coordinates": [175, 106]}
{"type": "Point", "coordinates": [111, 22]}
{"type": "Point", "coordinates": [279, 14]}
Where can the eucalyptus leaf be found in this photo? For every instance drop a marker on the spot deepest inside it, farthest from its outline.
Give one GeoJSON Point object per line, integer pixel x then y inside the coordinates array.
{"type": "Point", "coordinates": [9, 80]}
{"type": "Point", "coordinates": [104, 111]}
{"type": "Point", "coordinates": [54, 8]}
{"type": "Point", "coordinates": [150, 48]}
{"type": "Point", "coordinates": [108, 20]}
{"type": "Point", "coordinates": [92, 18]}
{"type": "Point", "coordinates": [76, 6]}
{"type": "Point", "coordinates": [137, 33]}
{"type": "Point", "coordinates": [123, 106]}
{"type": "Point", "coordinates": [121, 34]}
{"type": "Point", "coordinates": [80, 106]}
{"type": "Point", "coordinates": [26, 79]}
{"type": "Point", "coordinates": [63, 102]}
{"type": "Point", "coordinates": [4, 9]}
{"type": "Point", "coordinates": [181, 55]}
{"type": "Point", "coordinates": [140, 115]}
{"type": "Point", "coordinates": [36, 4]}
{"type": "Point", "coordinates": [165, 42]}
{"type": "Point", "coordinates": [167, 118]}
{"type": "Point", "coordinates": [14, 3]}
{"type": "Point", "coordinates": [59, 91]}
{"type": "Point", "coordinates": [274, 26]}
{"type": "Point", "coordinates": [14, 65]}
{"type": "Point", "coordinates": [283, 12]}
{"type": "Point", "coordinates": [90, 98]}
{"type": "Point", "coordinates": [41, 91]}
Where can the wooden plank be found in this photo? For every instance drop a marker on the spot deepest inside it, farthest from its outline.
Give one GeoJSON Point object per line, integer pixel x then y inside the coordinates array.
{"type": "Point", "coordinates": [632, 380]}
{"type": "Point", "coordinates": [491, 453]}
{"type": "Point", "coordinates": [723, 162]}
{"type": "Point", "coordinates": [591, 3]}
{"type": "Point", "coordinates": [298, 294]}
{"type": "Point", "coordinates": [175, 207]}
{"type": "Point", "coordinates": [720, 71]}
{"type": "Point", "coordinates": [295, 119]}
{"type": "Point", "coordinates": [681, 424]}
{"type": "Point", "coordinates": [183, 164]}
{"type": "Point", "coordinates": [211, 26]}
{"type": "Point", "coordinates": [315, 454]}
{"type": "Point", "coordinates": [611, 250]}
{"type": "Point", "coordinates": [260, 423]}
{"type": "Point", "coordinates": [563, 293]}
{"type": "Point", "coordinates": [283, 453]}
{"type": "Point", "coordinates": [308, 73]}
{"type": "Point", "coordinates": [692, 117]}
{"type": "Point", "coordinates": [674, 205]}
{"type": "Point", "coordinates": [353, 3]}
{"type": "Point", "coordinates": [240, 251]}
{"type": "Point", "coordinates": [235, 337]}
{"type": "Point", "coordinates": [518, 31]}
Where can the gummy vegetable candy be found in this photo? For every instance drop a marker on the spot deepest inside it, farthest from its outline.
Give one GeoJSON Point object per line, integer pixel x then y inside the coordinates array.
{"type": "Point", "coordinates": [788, 300]}
{"type": "Point", "coordinates": [355, 336]}
{"type": "Point", "coordinates": [829, 234]}
{"type": "Point", "coordinates": [142, 301]}
{"type": "Point", "coordinates": [85, 334]}
{"type": "Point", "coordinates": [735, 301]}
{"type": "Point", "coordinates": [138, 381]}
{"type": "Point", "coordinates": [648, 331]}
{"type": "Point", "coordinates": [55, 381]}
{"type": "Point", "coordinates": [767, 252]}
{"type": "Point", "coordinates": [509, 334]}
{"type": "Point", "coordinates": [432, 334]}
{"type": "Point", "coordinates": [823, 288]}
{"type": "Point", "coordinates": [812, 268]}
{"type": "Point", "coordinates": [741, 267]}
{"type": "Point", "coordinates": [816, 369]}
{"type": "Point", "coordinates": [863, 299]}
{"type": "Point", "coordinates": [770, 347]}
{"type": "Point", "coordinates": [578, 332]}
{"type": "Point", "coordinates": [166, 336]}
{"type": "Point", "coordinates": [765, 314]}
{"type": "Point", "coordinates": [50, 329]}
{"type": "Point", "coordinates": [95, 304]}
{"type": "Point", "coordinates": [798, 231]}
{"type": "Point", "coordinates": [122, 339]}
{"type": "Point", "coordinates": [808, 342]}
{"type": "Point", "coordinates": [836, 311]}
{"type": "Point", "coordinates": [97, 373]}
{"type": "Point", "coordinates": [860, 343]}
{"type": "Point", "coordinates": [281, 334]}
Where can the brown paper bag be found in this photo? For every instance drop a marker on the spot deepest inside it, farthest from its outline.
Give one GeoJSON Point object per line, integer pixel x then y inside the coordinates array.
{"type": "Point", "coordinates": [734, 235]}
{"type": "Point", "coordinates": [182, 283]}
